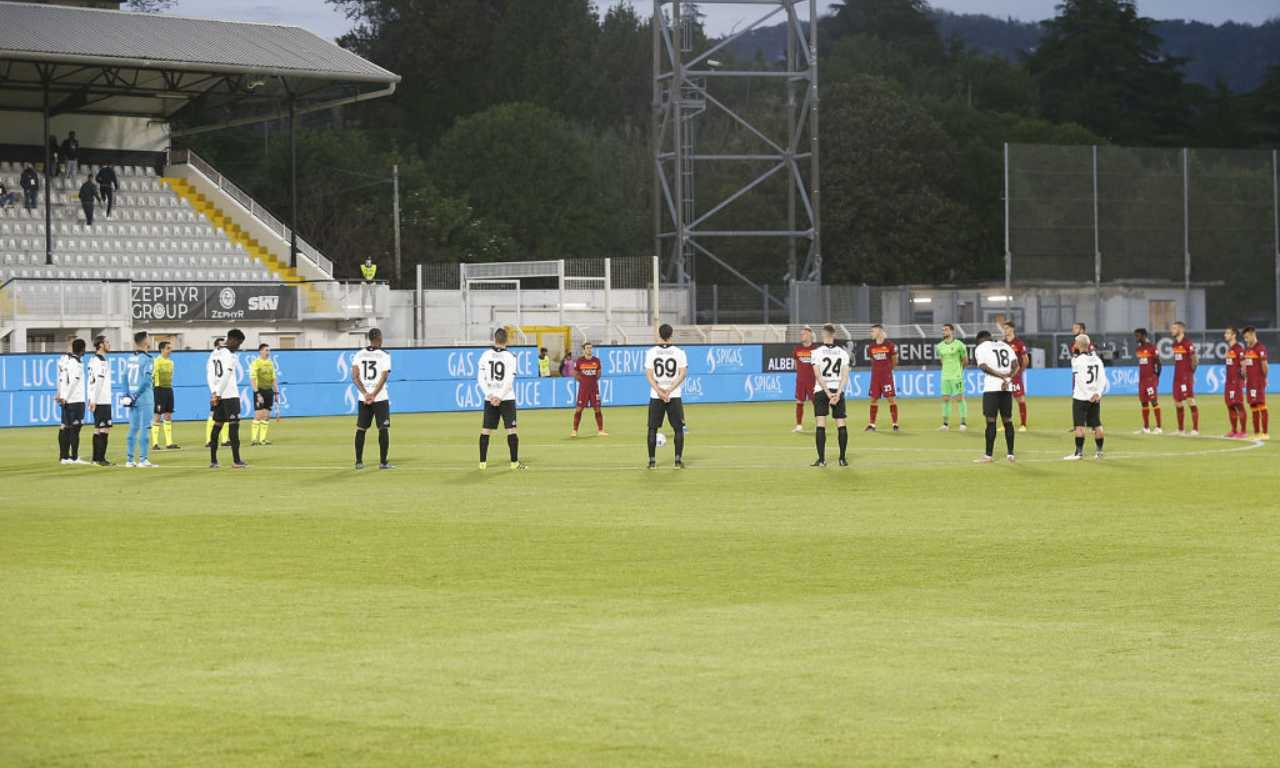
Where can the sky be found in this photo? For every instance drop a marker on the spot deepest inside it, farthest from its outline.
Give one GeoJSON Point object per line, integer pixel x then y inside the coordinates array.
{"type": "Point", "coordinates": [325, 20]}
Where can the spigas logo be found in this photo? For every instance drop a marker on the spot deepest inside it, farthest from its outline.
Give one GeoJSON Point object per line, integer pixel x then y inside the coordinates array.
{"type": "Point", "coordinates": [761, 385]}
{"type": "Point", "coordinates": [349, 397]}
{"type": "Point", "coordinates": [1216, 377]}
{"type": "Point", "coordinates": [344, 367]}
{"type": "Point", "coordinates": [729, 358]}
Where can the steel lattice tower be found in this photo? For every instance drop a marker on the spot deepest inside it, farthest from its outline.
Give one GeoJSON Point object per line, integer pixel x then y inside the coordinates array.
{"type": "Point", "coordinates": [683, 90]}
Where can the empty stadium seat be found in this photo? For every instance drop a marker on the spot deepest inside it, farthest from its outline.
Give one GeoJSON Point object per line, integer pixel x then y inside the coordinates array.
{"type": "Point", "coordinates": [152, 235]}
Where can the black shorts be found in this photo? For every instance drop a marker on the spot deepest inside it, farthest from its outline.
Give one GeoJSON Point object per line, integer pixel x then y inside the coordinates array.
{"type": "Point", "coordinates": [164, 400]}
{"type": "Point", "coordinates": [102, 416]}
{"type": "Point", "coordinates": [379, 413]}
{"type": "Point", "coordinates": [72, 414]}
{"type": "Point", "coordinates": [506, 410]}
{"type": "Point", "coordinates": [227, 410]}
{"type": "Point", "coordinates": [672, 410]}
{"type": "Point", "coordinates": [822, 406]}
{"type": "Point", "coordinates": [1086, 414]}
{"type": "Point", "coordinates": [997, 404]}
{"type": "Point", "coordinates": [264, 399]}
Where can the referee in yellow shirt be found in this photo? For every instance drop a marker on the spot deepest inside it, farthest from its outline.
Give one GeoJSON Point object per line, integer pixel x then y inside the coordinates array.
{"type": "Point", "coordinates": [162, 383]}
{"type": "Point", "coordinates": [262, 377]}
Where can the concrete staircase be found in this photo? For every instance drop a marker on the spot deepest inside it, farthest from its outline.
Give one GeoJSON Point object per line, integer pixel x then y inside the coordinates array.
{"type": "Point", "coordinates": [276, 262]}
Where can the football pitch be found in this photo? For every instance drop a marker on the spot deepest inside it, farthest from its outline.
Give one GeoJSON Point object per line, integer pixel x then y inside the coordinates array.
{"type": "Point", "coordinates": [914, 609]}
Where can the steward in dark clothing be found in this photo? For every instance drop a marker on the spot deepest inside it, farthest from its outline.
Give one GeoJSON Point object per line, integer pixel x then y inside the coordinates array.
{"type": "Point", "coordinates": [71, 155]}
{"type": "Point", "coordinates": [30, 181]}
{"type": "Point", "coordinates": [107, 186]}
{"type": "Point", "coordinates": [88, 196]}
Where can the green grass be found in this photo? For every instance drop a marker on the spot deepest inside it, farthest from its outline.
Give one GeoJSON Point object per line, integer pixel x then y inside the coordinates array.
{"type": "Point", "coordinates": [912, 610]}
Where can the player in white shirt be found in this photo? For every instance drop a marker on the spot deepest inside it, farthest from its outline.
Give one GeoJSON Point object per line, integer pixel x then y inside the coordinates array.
{"type": "Point", "coordinates": [496, 375]}
{"type": "Point", "coordinates": [70, 395]}
{"type": "Point", "coordinates": [208, 377]}
{"type": "Point", "coordinates": [666, 366]}
{"type": "Point", "coordinates": [997, 360]}
{"type": "Point", "coordinates": [100, 399]}
{"type": "Point", "coordinates": [1089, 384]}
{"type": "Point", "coordinates": [224, 396]}
{"type": "Point", "coordinates": [370, 369]}
{"type": "Point", "coordinates": [830, 377]}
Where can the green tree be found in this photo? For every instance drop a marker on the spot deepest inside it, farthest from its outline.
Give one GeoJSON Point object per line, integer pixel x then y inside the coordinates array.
{"type": "Point", "coordinates": [443, 50]}
{"type": "Point", "coordinates": [551, 182]}
{"type": "Point", "coordinates": [887, 217]}
{"type": "Point", "coordinates": [905, 24]}
{"type": "Point", "coordinates": [1100, 65]}
{"type": "Point", "coordinates": [1265, 108]}
{"type": "Point", "coordinates": [622, 61]}
{"type": "Point", "coordinates": [541, 55]}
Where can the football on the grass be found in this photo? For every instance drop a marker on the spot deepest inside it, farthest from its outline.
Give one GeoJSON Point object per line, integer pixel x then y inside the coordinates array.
{"type": "Point", "coordinates": [662, 439]}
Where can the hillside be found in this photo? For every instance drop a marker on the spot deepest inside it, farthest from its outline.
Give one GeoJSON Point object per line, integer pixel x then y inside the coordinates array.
{"type": "Point", "coordinates": [1238, 54]}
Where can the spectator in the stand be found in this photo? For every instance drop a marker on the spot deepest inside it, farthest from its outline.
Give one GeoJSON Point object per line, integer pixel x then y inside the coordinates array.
{"type": "Point", "coordinates": [368, 270]}
{"type": "Point", "coordinates": [544, 363]}
{"type": "Point", "coordinates": [88, 196]}
{"type": "Point", "coordinates": [52, 161]}
{"type": "Point", "coordinates": [568, 365]}
{"type": "Point", "coordinates": [30, 181]}
{"type": "Point", "coordinates": [107, 186]}
{"type": "Point", "coordinates": [7, 198]}
{"type": "Point", "coordinates": [71, 154]}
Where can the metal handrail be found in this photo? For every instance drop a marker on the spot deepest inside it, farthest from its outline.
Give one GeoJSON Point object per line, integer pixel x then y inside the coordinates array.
{"type": "Point", "coordinates": [255, 209]}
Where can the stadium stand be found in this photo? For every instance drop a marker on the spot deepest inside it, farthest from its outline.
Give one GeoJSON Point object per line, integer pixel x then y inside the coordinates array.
{"type": "Point", "coordinates": [154, 233]}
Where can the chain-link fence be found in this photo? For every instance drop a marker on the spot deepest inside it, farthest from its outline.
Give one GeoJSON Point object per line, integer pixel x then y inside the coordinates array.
{"type": "Point", "coordinates": [1105, 214]}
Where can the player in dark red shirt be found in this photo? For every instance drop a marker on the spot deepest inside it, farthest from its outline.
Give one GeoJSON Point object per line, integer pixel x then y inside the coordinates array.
{"type": "Point", "coordinates": [1255, 380]}
{"type": "Point", "coordinates": [803, 354]}
{"type": "Point", "coordinates": [588, 375]}
{"type": "Point", "coordinates": [1017, 386]}
{"type": "Point", "coordinates": [883, 355]}
{"type": "Point", "coordinates": [1233, 392]}
{"type": "Point", "coordinates": [1185, 360]}
{"type": "Point", "coordinates": [1148, 380]}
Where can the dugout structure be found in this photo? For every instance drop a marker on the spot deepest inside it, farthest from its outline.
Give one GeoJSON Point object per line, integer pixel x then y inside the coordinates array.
{"type": "Point", "coordinates": [188, 75]}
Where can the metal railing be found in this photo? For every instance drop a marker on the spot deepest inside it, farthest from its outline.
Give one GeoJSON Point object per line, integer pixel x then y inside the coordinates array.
{"type": "Point", "coordinates": [347, 300]}
{"type": "Point", "coordinates": [59, 301]}
{"type": "Point", "coordinates": [264, 216]}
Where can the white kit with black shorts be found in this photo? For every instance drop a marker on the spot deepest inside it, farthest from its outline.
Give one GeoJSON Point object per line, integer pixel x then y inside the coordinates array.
{"type": "Point", "coordinates": [221, 374]}
{"type": "Point", "coordinates": [997, 395]}
{"type": "Point", "coordinates": [829, 362]}
{"type": "Point", "coordinates": [496, 375]}
{"type": "Point", "coordinates": [666, 361]}
{"type": "Point", "coordinates": [100, 391]}
{"type": "Point", "coordinates": [369, 364]}
{"type": "Point", "coordinates": [1088, 379]}
{"type": "Point", "coordinates": [71, 390]}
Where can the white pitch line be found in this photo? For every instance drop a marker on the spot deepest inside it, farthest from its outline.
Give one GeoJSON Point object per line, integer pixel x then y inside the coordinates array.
{"type": "Point", "coordinates": [698, 466]}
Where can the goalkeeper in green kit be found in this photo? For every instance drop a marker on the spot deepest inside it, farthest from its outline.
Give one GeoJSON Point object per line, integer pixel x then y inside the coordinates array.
{"type": "Point", "coordinates": [954, 354]}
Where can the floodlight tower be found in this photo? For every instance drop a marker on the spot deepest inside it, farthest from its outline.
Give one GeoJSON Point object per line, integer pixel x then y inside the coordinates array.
{"type": "Point", "coordinates": [682, 91]}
